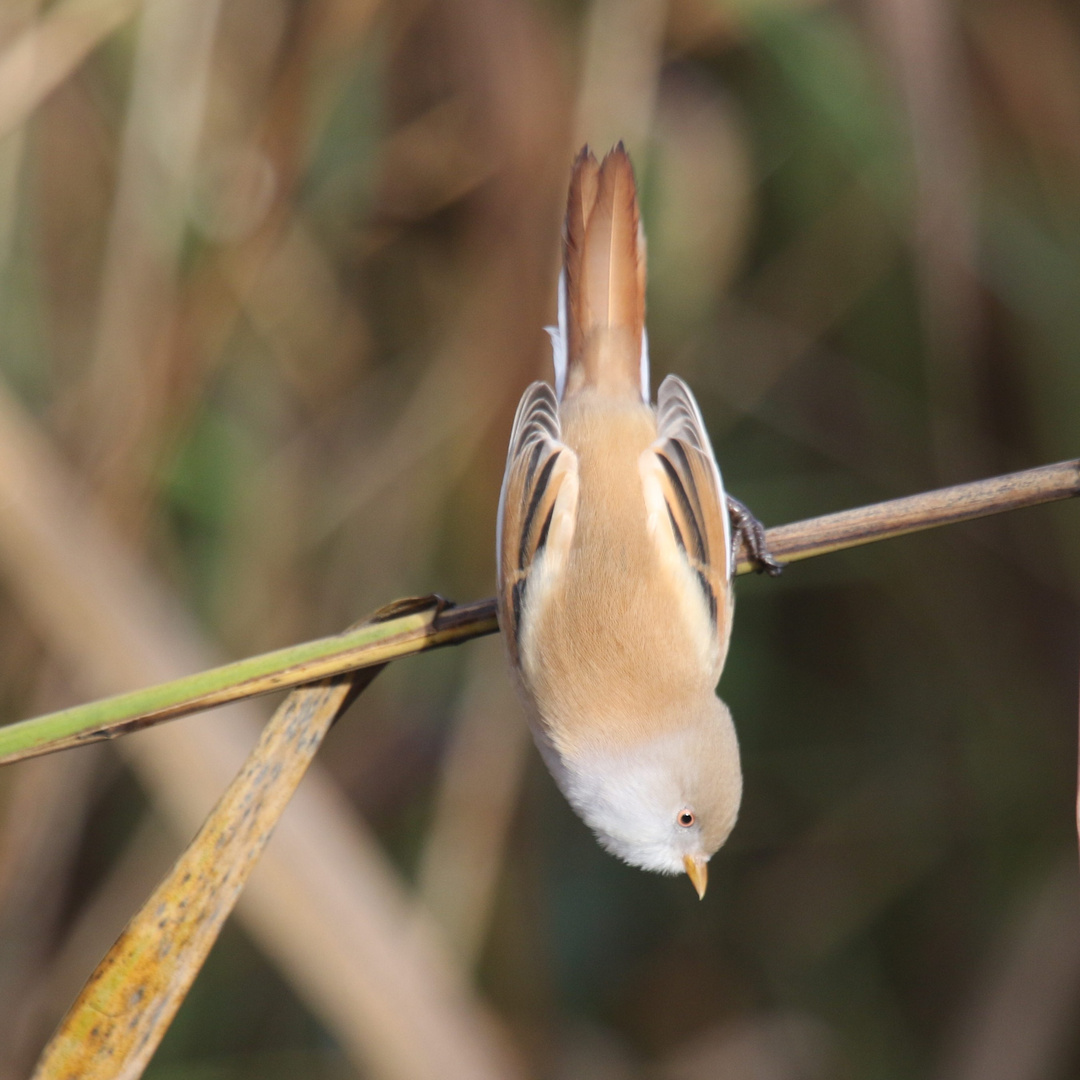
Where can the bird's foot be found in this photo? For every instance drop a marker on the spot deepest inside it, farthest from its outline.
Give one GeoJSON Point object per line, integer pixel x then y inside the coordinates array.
{"type": "Point", "coordinates": [747, 530]}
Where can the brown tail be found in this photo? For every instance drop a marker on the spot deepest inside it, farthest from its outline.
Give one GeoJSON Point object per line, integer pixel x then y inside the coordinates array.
{"type": "Point", "coordinates": [605, 277]}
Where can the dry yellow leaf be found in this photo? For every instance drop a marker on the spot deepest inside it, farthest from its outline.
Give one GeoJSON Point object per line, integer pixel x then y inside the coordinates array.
{"type": "Point", "coordinates": [117, 1021]}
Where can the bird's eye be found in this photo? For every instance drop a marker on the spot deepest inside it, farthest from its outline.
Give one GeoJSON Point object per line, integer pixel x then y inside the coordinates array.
{"type": "Point", "coordinates": [686, 818]}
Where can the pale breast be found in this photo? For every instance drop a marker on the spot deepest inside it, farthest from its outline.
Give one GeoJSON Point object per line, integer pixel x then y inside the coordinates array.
{"type": "Point", "coordinates": [612, 655]}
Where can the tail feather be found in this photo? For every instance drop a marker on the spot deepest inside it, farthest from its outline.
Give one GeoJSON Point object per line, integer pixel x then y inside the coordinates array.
{"type": "Point", "coordinates": [605, 277]}
{"type": "Point", "coordinates": [584, 180]}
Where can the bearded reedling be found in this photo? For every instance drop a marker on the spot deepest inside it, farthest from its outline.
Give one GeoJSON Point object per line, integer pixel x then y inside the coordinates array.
{"type": "Point", "coordinates": [615, 560]}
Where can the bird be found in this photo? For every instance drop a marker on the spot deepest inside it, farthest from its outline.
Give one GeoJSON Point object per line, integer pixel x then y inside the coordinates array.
{"type": "Point", "coordinates": [616, 557]}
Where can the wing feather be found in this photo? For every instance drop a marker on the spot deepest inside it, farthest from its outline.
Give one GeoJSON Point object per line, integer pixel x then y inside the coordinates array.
{"type": "Point", "coordinates": [537, 510]}
{"type": "Point", "coordinates": [682, 477]}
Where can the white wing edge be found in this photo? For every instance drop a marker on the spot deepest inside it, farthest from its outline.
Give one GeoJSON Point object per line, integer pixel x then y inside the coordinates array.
{"type": "Point", "coordinates": [688, 395]}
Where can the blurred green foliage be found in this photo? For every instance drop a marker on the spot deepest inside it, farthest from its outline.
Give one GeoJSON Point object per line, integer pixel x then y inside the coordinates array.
{"type": "Point", "coordinates": [890, 304]}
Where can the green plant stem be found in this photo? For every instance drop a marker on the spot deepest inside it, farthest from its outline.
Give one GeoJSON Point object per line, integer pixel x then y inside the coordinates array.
{"type": "Point", "coordinates": [415, 625]}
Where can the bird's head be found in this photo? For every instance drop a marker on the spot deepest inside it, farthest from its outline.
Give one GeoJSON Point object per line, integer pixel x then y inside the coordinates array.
{"type": "Point", "coordinates": [666, 804]}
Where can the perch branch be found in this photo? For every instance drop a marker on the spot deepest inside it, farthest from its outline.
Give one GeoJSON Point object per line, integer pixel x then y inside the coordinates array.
{"type": "Point", "coordinates": [415, 625]}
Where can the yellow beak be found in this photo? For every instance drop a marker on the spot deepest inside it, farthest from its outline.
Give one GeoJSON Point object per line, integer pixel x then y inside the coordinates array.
{"type": "Point", "coordinates": [698, 872]}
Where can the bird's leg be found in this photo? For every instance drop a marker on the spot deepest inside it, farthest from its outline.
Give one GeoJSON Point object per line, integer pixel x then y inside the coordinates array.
{"type": "Point", "coordinates": [748, 530]}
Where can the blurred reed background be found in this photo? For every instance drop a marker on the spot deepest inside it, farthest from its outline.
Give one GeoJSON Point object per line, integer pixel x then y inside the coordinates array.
{"type": "Point", "coordinates": [272, 277]}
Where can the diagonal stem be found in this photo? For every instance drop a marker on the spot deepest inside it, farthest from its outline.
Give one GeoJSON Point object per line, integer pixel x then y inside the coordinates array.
{"type": "Point", "coordinates": [898, 517]}
{"type": "Point", "coordinates": [127, 1005]}
{"type": "Point", "coordinates": [412, 626]}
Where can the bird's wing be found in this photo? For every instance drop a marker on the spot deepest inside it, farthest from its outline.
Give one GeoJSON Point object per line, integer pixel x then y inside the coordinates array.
{"type": "Point", "coordinates": [688, 513]}
{"type": "Point", "coordinates": [537, 511]}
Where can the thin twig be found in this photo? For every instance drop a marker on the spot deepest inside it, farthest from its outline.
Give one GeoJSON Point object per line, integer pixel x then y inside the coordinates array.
{"type": "Point", "coordinates": [946, 506]}
{"type": "Point", "coordinates": [412, 626]}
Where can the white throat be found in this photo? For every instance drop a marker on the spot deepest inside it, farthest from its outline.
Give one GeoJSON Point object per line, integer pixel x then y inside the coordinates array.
{"type": "Point", "coordinates": [632, 800]}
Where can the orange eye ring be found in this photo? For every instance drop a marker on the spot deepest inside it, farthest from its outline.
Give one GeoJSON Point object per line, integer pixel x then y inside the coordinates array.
{"type": "Point", "coordinates": [686, 818]}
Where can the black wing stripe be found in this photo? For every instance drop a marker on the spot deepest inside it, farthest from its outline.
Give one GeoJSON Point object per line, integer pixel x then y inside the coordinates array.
{"type": "Point", "coordinates": [544, 529]}
{"type": "Point", "coordinates": [687, 509]}
{"type": "Point", "coordinates": [542, 482]}
{"type": "Point", "coordinates": [688, 475]}
{"type": "Point", "coordinates": [710, 596]}
{"type": "Point", "coordinates": [675, 528]}
{"type": "Point", "coordinates": [534, 457]}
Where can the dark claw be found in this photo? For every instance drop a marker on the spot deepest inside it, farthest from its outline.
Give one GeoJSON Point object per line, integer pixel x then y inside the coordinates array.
{"type": "Point", "coordinates": [751, 533]}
